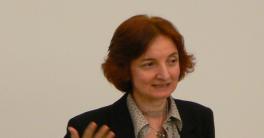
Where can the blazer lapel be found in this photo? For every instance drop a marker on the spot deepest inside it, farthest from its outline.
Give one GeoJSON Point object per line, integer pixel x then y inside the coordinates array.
{"type": "Point", "coordinates": [188, 123]}
{"type": "Point", "coordinates": [121, 120]}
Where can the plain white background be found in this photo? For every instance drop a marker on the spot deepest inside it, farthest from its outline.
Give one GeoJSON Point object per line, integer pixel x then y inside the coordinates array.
{"type": "Point", "coordinates": [51, 52]}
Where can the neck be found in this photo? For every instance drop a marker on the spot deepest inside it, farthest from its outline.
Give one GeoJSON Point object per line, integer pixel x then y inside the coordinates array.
{"type": "Point", "coordinates": [151, 107]}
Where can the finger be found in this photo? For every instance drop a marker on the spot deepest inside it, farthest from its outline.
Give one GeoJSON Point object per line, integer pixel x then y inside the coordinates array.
{"type": "Point", "coordinates": [74, 132]}
{"type": "Point", "coordinates": [110, 134]}
{"type": "Point", "coordinates": [102, 131]}
{"type": "Point", "coordinates": [90, 130]}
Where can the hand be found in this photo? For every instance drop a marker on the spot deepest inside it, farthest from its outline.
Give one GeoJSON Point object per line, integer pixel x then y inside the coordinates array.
{"type": "Point", "coordinates": [89, 132]}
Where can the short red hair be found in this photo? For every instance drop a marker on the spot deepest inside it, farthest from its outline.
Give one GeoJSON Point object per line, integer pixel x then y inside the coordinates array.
{"type": "Point", "coordinates": [131, 39]}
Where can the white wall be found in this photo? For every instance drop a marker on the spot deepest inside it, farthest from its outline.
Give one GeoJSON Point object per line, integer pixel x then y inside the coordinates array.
{"type": "Point", "coordinates": [51, 51]}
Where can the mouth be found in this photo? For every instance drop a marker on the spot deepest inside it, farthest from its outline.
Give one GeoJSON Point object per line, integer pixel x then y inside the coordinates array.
{"type": "Point", "coordinates": [162, 85]}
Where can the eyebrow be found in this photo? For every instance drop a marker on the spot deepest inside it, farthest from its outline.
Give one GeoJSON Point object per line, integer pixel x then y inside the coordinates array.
{"type": "Point", "coordinates": [172, 54]}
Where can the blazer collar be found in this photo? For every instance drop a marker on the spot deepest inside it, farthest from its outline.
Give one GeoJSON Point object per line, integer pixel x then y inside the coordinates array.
{"type": "Point", "coordinates": [122, 123]}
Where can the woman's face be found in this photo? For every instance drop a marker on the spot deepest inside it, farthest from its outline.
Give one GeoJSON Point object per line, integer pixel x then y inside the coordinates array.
{"type": "Point", "coordinates": [155, 73]}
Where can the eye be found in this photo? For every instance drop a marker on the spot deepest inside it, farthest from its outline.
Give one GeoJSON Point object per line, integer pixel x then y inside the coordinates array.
{"type": "Point", "coordinates": [173, 60]}
{"type": "Point", "coordinates": [147, 64]}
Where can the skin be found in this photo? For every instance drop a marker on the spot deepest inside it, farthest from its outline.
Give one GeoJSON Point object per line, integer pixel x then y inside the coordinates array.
{"type": "Point", "coordinates": [155, 76]}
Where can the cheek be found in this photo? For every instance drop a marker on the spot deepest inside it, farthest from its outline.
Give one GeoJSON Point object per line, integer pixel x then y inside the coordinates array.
{"type": "Point", "coordinates": [176, 73]}
{"type": "Point", "coordinates": [141, 77]}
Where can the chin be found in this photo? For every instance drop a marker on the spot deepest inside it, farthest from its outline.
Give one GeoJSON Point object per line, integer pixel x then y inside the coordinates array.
{"type": "Point", "coordinates": [162, 94]}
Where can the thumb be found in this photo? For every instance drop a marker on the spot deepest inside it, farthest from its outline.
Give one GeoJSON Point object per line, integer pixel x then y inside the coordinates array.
{"type": "Point", "coordinates": [74, 132]}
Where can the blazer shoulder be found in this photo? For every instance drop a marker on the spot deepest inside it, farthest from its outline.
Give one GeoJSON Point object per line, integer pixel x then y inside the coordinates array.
{"type": "Point", "coordinates": [80, 122]}
{"type": "Point", "coordinates": [99, 114]}
{"type": "Point", "coordinates": [104, 115]}
{"type": "Point", "coordinates": [198, 120]}
{"type": "Point", "coordinates": [191, 106]}
{"type": "Point", "coordinates": [103, 112]}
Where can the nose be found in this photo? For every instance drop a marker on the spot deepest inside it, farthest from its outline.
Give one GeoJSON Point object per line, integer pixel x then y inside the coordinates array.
{"type": "Point", "coordinates": [163, 73]}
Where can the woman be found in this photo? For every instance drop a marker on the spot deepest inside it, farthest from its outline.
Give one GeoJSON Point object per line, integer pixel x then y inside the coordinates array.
{"type": "Point", "coordinates": [146, 60]}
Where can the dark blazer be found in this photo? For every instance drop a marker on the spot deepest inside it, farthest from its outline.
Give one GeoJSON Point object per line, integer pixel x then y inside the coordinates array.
{"type": "Point", "coordinates": [197, 120]}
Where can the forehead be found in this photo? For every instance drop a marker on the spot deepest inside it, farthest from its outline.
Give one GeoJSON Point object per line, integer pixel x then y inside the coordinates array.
{"type": "Point", "coordinates": [160, 46]}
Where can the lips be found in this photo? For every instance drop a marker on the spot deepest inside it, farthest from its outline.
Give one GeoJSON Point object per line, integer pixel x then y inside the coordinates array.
{"type": "Point", "coordinates": [162, 85]}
